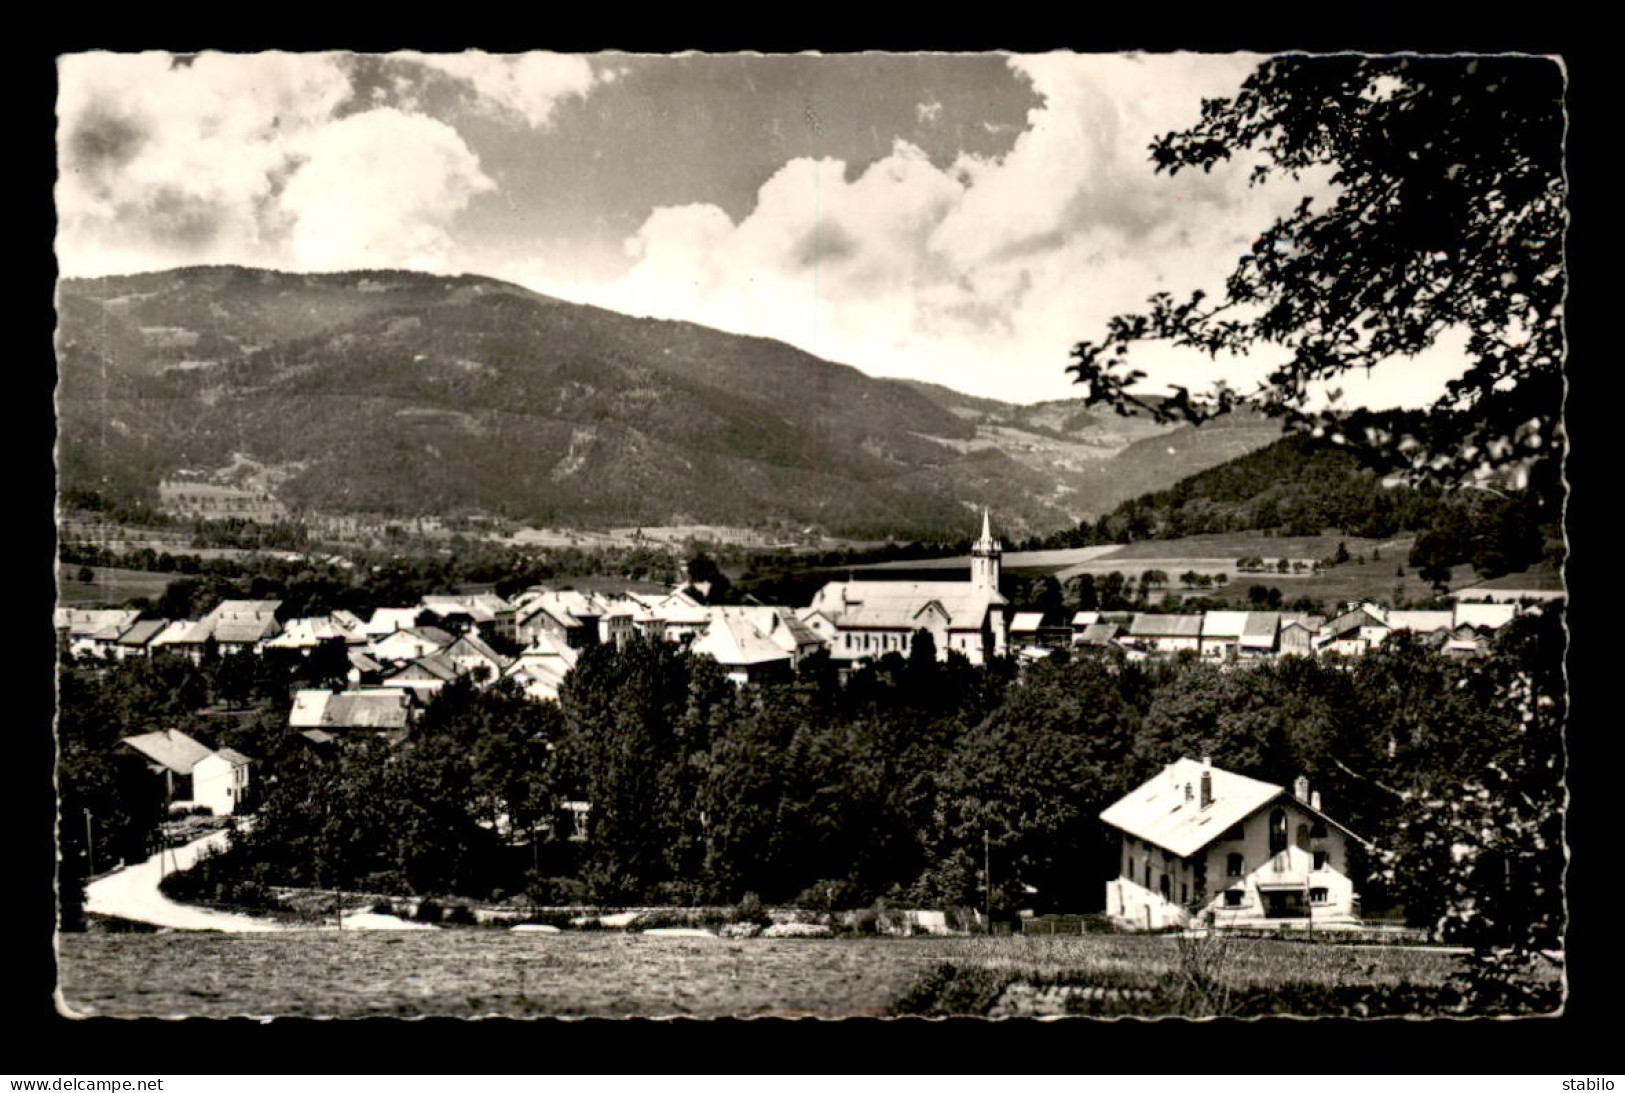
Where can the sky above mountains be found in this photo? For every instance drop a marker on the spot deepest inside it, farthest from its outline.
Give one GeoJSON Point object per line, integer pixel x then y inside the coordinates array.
{"type": "Point", "coordinates": [961, 219]}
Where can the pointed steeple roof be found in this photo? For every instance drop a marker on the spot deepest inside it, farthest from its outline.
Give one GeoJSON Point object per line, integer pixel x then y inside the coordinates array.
{"type": "Point", "coordinates": [986, 544]}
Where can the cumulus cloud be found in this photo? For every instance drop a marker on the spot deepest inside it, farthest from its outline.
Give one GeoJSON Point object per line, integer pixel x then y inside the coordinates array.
{"type": "Point", "coordinates": [983, 273]}
{"type": "Point", "coordinates": [274, 159]}
{"type": "Point", "coordinates": [529, 85]}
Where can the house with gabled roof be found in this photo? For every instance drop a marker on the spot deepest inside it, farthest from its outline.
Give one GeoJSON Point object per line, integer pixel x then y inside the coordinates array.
{"type": "Point", "coordinates": [138, 640]}
{"type": "Point", "coordinates": [566, 613]}
{"type": "Point", "coordinates": [401, 646]}
{"type": "Point", "coordinates": [1259, 635]}
{"type": "Point", "coordinates": [1158, 633]}
{"type": "Point", "coordinates": [470, 655]}
{"type": "Point", "coordinates": [386, 620]}
{"type": "Point", "coordinates": [486, 612]}
{"type": "Point", "coordinates": [1198, 844]}
{"type": "Point", "coordinates": [1221, 634]}
{"type": "Point", "coordinates": [369, 708]}
{"type": "Point", "coordinates": [1353, 633]}
{"type": "Point", "coordinates": [302, 635]}
{"type": "Point", "coordinates": [1099, 636]}
{"type": "Point", "coordinates": [734, 640]}
{"type": "Point", "coordinates": [1297, 634]}
{"type": "Point", "coordinates": [93, 632]}
{"type": "Point", "coordinates": [193, 773]}
{"type": "Point", "coordinates": [424, 676]}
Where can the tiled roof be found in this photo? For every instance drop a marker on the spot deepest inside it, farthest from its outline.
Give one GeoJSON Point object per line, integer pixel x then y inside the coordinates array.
{"type": "Point", "coordinates": [1026, 622]}
{"type": "Point", "coordinates": [386, 620]}
{"type": "Point", "coordinates": [470, 644]}
{"type": "Point", "coordinates": [438, 665]}
{"type": "Point", "coordinates": [1221, 625]}
{"type": "Point", "coordinates": [1419, 622]}
{"type": "Point", "coordinates": [1166, 811]}
{"type": "Point", "coordinates": [233, 756]}
{"type": "Point", "coordinates": [308, 707]}
{"type": "Point", "coordinates": [1260, 629]}
{"type": "Point", "coordinates": [903, 605]}
{"type": "Point", "coordinates": [732, 639]}
{"type": "Point", "coordinates": [80, 622]}
{"type": "Point", "coordinates": [1491, 616]}
{"type": "Point", "coordinates": [1099, 633]}
{"type": "Point", "coordinates": [1349, 620]}
{"type": "Point", "coordinates": [171, 748]}
{"type": "Point", "coordinates": [1151, 625]}
{"type": "Point", "coordinates": [143, 632]}
{"type": "Point", "coordinates": [365, 710]}
{"type": "Point", "coordinates": [244, 631]}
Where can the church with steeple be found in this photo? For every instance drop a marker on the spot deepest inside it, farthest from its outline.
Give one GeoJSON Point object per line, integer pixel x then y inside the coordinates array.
{"type": "Point", "coordinates": [860, 619]}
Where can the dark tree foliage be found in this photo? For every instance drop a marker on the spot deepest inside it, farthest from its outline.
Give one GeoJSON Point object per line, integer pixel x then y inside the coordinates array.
{"type": "Point", "coordinates": [1448, 213]}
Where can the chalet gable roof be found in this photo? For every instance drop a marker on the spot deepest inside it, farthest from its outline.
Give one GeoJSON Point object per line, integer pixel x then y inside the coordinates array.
{"type": "Point", "coordinates": [1166, 809]}
{"type": "Point", "coordinates": [170, 748]}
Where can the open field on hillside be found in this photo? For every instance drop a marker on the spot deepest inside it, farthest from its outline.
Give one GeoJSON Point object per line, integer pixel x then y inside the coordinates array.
{"type": "Point", "coordinates": [110, 586]}
{"type": "Point", "coordinates": [466, 972]}
{"type": "Point", "coordinates": [1241, 544]}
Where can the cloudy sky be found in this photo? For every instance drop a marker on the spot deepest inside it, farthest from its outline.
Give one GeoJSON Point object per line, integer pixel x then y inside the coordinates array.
{"type": "Point", "coordinates": [961, 219]}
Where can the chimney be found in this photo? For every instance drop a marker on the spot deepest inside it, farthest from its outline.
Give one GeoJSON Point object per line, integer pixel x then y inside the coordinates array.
{"type": "Point", "coordinates": [1207, 781]}
{"type": "Point", "coordinates": [1314, 800]}
{"type": "Point", "coordinates": [1300, 789]}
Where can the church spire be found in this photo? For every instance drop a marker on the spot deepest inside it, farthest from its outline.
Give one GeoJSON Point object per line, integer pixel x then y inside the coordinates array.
{"type": "Point", "coordinates": [984, 566]}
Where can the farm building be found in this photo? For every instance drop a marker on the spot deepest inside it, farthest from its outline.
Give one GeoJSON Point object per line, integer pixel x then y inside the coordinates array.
{"type": "Point", "coordinates": [1200, 844]}
{"type": "Point", "coordinates": [1221, 633]}
{"type": "Point", "coordinates": [1166, 633]}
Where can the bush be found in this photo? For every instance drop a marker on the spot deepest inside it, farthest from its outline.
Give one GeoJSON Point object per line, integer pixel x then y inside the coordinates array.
{"type": "Point", "coordinates": [429, 911]}
{"type": "Point", "coordinates": [749, 911]}
{"type": "Point", "coordinates": [954, 990]}
{"type": "Point", "coordinates": [459, 914]}
{"type": "Point", "coordinates": [556, 892]}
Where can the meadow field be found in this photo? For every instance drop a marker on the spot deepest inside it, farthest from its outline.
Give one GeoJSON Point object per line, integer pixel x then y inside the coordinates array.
{"type": "Point", "coordinates": [109, 586]}
{"type": "Point", "coordinates": [478, 971]}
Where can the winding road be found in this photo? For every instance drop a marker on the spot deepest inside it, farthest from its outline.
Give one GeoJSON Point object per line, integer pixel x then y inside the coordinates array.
{"type": "Point", "coordinates": [132, 893]}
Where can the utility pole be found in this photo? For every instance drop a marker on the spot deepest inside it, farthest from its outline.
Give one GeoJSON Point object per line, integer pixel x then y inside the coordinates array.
{"type": "Point", "coordinates": [90, 849]}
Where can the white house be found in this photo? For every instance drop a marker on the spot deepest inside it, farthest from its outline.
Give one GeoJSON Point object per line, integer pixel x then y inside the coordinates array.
{"type": "Point", "coordinates": [194, 773]}
{"type": "Point", "coordinates": [1200, 844]}
{"type": "Point", "coordinates": [1222, 633]}
{"type": "Point", "coordinates": [220, 779]}
{"type": "Point", "coordinates": [734, 640]}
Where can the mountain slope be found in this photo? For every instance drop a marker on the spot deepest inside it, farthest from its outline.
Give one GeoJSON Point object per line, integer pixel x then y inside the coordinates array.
{"type": "Point", "coordinates": [411, 393]}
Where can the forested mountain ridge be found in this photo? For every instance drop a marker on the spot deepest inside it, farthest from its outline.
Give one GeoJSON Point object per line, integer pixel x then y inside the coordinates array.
{"type": "Point", "coordinates": [411, 393]}
{"type": "Point", "coordinates": [1302, 485]}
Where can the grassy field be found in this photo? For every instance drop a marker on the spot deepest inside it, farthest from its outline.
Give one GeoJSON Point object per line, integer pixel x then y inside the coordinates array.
{"type": "Point", "coordinates": [466, 972]}
{"type": "Point", "coordinates": [110, 587]}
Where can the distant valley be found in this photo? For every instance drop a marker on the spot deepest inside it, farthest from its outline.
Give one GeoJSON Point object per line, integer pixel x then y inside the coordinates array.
{"type": "Point", "coordinates": [412, 394]}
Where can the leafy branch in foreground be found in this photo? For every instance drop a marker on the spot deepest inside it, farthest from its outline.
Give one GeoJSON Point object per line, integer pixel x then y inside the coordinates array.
{"type": "Point", "coordinates": [1446, 214]}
